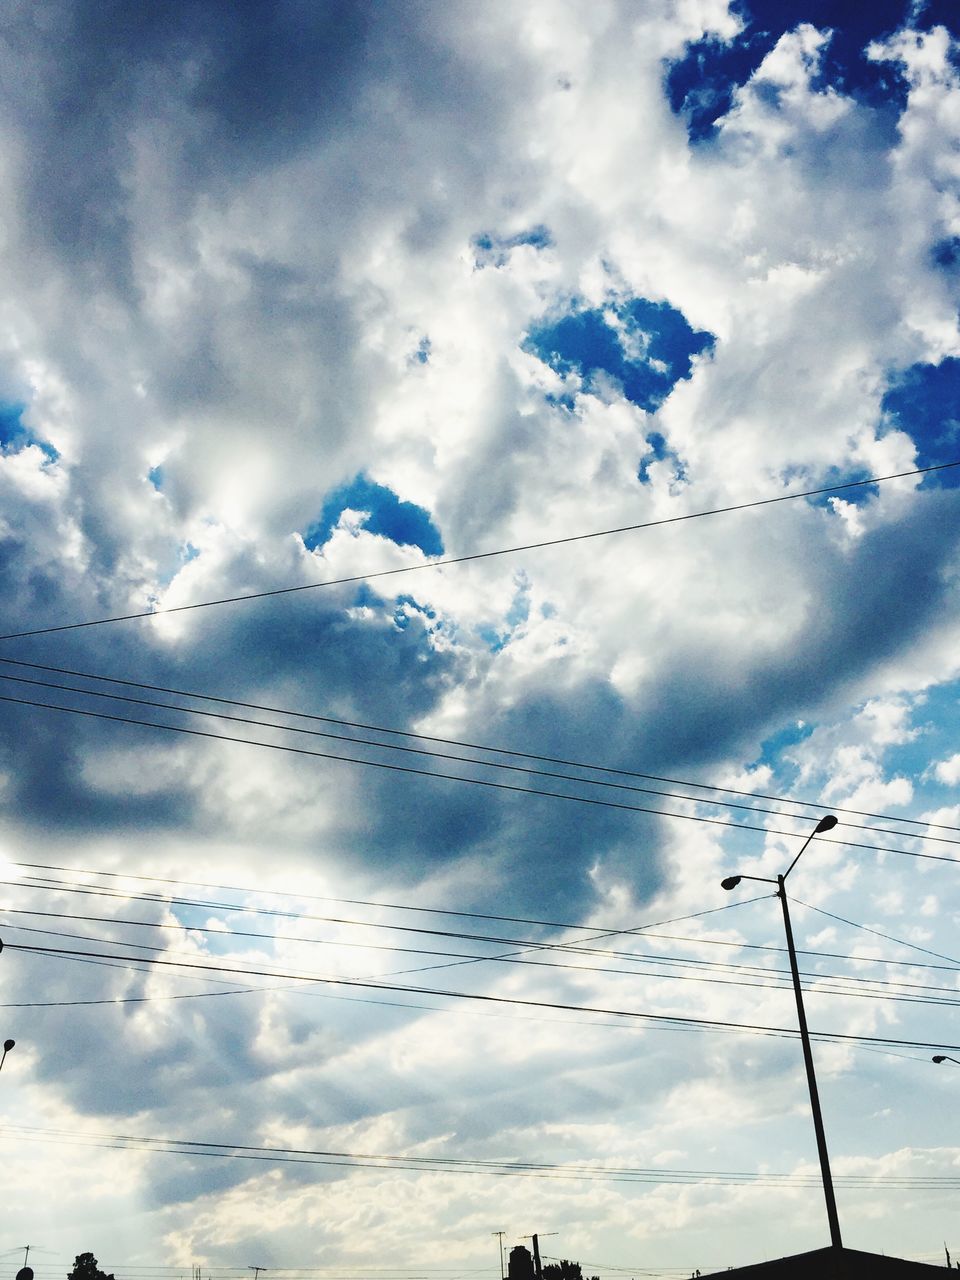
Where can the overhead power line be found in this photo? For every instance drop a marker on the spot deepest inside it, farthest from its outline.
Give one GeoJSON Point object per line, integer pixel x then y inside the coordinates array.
{"type": "Point", "coordinates": [481, 555]}
{"type": "Point", "coordinates": [456, 777]}
{"type": "Point", "coordinates": [665, 968]}
{"type": "Point", "coordinates": [591, 767]}
{"type": "Point", "coordinates": [468, 1165]}
{"type": "Point", "coordinates": [578, 946]}
{"type": "Point", "coordinates": [677, 1020]}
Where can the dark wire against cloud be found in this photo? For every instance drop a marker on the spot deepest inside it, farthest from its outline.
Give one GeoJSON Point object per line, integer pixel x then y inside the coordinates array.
{"type": "Point", "coordinates": [480, 555]}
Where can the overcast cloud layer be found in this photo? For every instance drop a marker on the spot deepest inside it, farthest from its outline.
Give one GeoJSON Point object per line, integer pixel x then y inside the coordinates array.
{"type": "Point", "coordinates": [301, 293]}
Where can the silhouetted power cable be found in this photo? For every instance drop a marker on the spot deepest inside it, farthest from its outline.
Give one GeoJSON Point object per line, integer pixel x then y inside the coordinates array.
{"type": "Point", "coordinates": [643, 932]}
{"type": "Point", "coordinates": [460, 1164]}
{"type": "Point", "coordinates": [356, 902]}
{"type": "Point", "coordinates": [486, 998]}
{"type": "Point", "coordinates": [480, 555]}
{"type": "Point", "coordinates": [456, 777]}
{"type": "Point", "coordinates": [387, 926]}
{"type": "Point", "coordinates": [776, 980]}
{"type": "Point", "coordinates": [664, 966]}
{"type": "Point", "coordinates": [877, 933]}
{"type": "Point", "coordinates": [475, 746]}
{"type": "Point", "coordinates": [430, 752]}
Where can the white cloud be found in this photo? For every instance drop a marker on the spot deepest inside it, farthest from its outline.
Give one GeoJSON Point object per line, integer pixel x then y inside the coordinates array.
{"type": "Point", "coordinates": [234, 287]}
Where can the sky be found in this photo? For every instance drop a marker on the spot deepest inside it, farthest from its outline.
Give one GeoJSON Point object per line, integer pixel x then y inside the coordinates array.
{"type": "Point", "coordinates": [328, 331]}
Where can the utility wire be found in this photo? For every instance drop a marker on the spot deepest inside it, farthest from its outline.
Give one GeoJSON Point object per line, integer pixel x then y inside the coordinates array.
{"type": "Point", "coordinates": [368, 984]}
{"type": "Point", "coordinates": [353, 902]}
{"type": "Point", "coordinates": [579, 947]}
{"type": "Point", "coordinates": [459, 1164]}
{"type": "Point", "coordinates": [474, 746]}
{"type": "Point", "coordinates": [777, 979]}
{"type": "Point", "coordinates": [456, 777]}
{"type": "Point", "coordinates": [876, 932]}
{"type": "Point", "coordinates": [480, 555]}
{"type": "Point", "coordinates": [949, 998]}
{"type": "Point", "coordinates": [435, 754]}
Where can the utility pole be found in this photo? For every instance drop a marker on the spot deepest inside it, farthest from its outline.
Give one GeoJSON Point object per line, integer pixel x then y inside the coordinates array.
{"type": "Point", "coordinates": [256, 1271]}
{"type": "Point", "coordinates": [500, 1234]}
{"type": "Point", "coordinates": [825, 824]}
{"type": "Point", "coordinates": [537, 1268]}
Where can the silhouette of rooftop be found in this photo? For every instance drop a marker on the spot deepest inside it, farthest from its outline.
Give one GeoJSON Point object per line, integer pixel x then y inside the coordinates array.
{"type": "Point", "coordinates": [832, 1264]}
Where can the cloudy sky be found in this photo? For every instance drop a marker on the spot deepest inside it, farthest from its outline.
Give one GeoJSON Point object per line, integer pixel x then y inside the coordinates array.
{"type": "Point", "coordinates": [313, 296]}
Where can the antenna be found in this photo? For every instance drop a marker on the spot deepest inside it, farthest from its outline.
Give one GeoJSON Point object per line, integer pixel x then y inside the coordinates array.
{"type": "Point", "coordinates": [537, 1268]}
{"type": "Point", "coordinates": [501, 1234]}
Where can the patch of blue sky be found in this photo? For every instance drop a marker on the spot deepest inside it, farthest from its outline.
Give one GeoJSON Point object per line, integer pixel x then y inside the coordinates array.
{"type": "Point", "coordinates": [924, 402]}
{"type": "Point", "coordinates": [646, 347]}
{"type": "Point", "coordinates": [219, 943]}
{"type": "Point", "coordinates": [936, 719]}
{"type": "Point", "coordinates": [186, 552]}
{"type": "Point", "coordinates": [404, 523]}
{"type": "Point", "coordinates": [366, 598]}
{"type": "Point", "coordinates": [565, 401]}
{"type": "Point", "coordinates": [491, 250]}
{"type": "Point", "coordinates": [156, 477]}
{"type": "Point", "coordinates": [772, 749]}
{"type": "Point", "coordinates": [406, 607]}
{"type": "Point", "coordinates": [16, 435]}
{"type": "Point", "coordinates": [800, 478]}
{"type": "Point", "coordinates": [945, 254]}
{"type": "Point", "coordinates": [701, 85]}
{"type": "Point", "coordinates": [497, 638]}
{"type": "Point", "coordinates": [421, 353]}
{"type": "Point", "coordinates": [660, 451]}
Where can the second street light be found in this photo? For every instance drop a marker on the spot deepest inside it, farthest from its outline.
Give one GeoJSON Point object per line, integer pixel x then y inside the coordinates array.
{"type": "Point", "coordinates": [825, 824]}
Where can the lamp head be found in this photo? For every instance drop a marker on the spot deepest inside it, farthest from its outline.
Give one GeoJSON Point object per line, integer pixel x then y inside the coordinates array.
{"type": "Point", "coordinates": [825, 824]}
{"type": "Point", "coordinates": [731, 882]}
{"type": "Point", "coordinates": [939, 1057]}
{"type": "Point", "coordinates": [8, 1045]}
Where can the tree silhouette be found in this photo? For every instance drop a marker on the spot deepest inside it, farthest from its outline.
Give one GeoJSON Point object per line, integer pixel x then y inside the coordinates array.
{"type": "Point", "coordinates": [563, 1271]}
{"type": "Point", "coordinates": [85, 1268]}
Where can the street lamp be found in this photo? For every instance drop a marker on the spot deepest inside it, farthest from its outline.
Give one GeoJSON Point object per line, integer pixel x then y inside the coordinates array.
{"type": "Point", "coordinates": [825, 824]}
{"type": "Point", "coordinates": [7, 1046]}
{"type": "Point", "coordinates": [945, 1057]}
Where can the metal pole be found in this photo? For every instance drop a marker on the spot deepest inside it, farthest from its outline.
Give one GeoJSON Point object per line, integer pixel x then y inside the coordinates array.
{"type": "Point", "coordinates": [828, 1195]}
{"type": "Point", "coordinates": [500, 1235]}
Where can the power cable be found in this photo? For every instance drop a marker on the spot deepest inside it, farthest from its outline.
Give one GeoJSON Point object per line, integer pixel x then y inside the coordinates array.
{"type": "Point", "coordinates": [784, 985]}
{"type": "Point", "coordinates": [454, 777]}
{"type": "Point", "coordinates": [368, 984]}
{"type": "Point", "coordinates": [876, 932]}
{"type": "Point", "coordinates": [643, 932]}
{"type": "Point", "coordinates": [444, 755]}
{"type": "Point", "coordinates": [353, 902]}
{"type": "Point", "coordinates": [778, 979]}
{"type": "Point", "coordinates": [459, 1164]}
{"type": "Point", "coordinates": [480, 555]}
{"type": "Point", "coordinates": [474, 746]}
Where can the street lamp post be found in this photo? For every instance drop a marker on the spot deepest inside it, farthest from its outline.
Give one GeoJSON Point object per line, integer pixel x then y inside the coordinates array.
{"type": "Point", "coordinates": [825, 824]}
{"type": "Point", "coordinates": [7, 1046]}
{"type": "Point", "coordinates": [945, 1057]}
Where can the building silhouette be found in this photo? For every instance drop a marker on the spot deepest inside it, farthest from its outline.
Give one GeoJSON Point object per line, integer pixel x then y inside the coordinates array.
{"type": "Point", "coordinates": [831, 1264]}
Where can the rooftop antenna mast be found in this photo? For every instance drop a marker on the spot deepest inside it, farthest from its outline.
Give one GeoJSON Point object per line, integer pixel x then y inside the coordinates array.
{"type": "Point", "coordinates": [501, 1234]}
